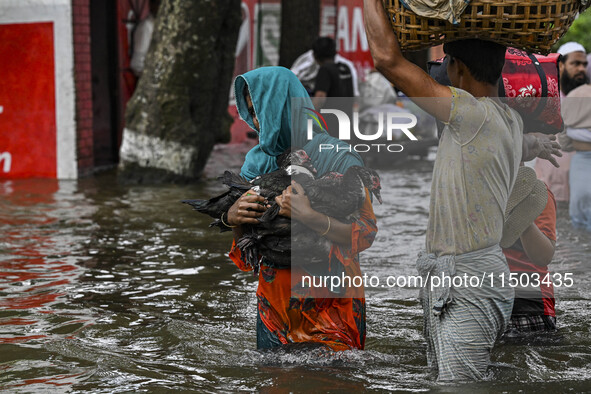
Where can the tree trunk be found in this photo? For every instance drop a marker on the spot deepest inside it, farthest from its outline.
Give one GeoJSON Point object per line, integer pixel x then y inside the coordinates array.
{"type": "Point", "coordinates": [300, 24]}
{"type": "Point", "coordinates": [179, 109]}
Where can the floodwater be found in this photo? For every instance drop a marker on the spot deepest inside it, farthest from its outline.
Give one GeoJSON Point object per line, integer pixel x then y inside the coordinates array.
{"type": "Point", "coordinates": [113, 288]}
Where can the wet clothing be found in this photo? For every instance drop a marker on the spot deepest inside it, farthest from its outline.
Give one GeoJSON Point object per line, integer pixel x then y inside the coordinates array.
{"type": "Point", "coordinates": [475, 169]}
{"type": "Point", "coordinates": [476, 165]}
{"type": "Point", "coordinates": [288, 312]}
{"type": "Point", "coordinates": [534, 302]}
{"type": "Point", "coordinates": [527, 323]}
{"type": "Point", "coordinates": [462, 323]}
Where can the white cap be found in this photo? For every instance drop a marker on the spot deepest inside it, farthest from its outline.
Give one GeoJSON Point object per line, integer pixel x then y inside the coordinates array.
{"type": "Point", "coordinates": [571, 47]}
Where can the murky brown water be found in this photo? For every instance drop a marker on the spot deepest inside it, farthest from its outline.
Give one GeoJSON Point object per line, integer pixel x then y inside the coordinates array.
{"type": "Point", "coordinates": [123, 289]}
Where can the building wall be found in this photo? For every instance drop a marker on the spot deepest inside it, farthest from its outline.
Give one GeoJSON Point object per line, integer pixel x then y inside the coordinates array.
{"type": "Point", "coordinates": [82, 77]}
{"type": "Point", "coordinates": [37, 131]}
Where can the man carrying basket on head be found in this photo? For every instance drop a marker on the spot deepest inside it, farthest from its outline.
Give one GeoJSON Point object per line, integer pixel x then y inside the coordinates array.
{"type": "Point", "coordinates": [478, 157]}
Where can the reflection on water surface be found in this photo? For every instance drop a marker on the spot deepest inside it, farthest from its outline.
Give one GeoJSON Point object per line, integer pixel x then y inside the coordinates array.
{"type": "Point", "coordinates": [116, 288]}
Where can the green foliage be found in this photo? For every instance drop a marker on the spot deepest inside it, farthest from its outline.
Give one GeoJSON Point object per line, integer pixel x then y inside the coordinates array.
{"type": "Point", "coordinates": [580, 32]}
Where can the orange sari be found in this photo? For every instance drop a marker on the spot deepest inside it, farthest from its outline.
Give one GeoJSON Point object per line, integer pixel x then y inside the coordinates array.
{"type": "Point", "coordinates": [288, 313]}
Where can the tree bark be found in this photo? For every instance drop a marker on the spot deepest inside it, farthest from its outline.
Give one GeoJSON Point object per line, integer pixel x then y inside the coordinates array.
{"type": "Point", "coordinates": [300, 24]}
{"type": "Point", "coordinates": [179, 109]}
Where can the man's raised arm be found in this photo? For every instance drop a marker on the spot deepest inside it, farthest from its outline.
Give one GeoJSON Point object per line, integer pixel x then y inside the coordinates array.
{"type": "Point", "coordinates": [405, 75]}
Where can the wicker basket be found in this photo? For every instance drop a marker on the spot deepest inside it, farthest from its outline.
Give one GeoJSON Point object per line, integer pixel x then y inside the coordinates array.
{"type": "Point", "coordinates": [531, 25]}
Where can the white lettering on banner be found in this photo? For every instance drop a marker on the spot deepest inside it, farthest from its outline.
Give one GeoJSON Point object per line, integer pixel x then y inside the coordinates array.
{"type": "Point", "coordinates": [267, 32]}
{"type": "Point", "coordinates": [327, 27]}
{"type": "Point", "coordinates": [7, 158]}
{"type": "Point", "coordinates": [358, 33]}
{"type": "Point", "coordinates": [351, 37]}
{"type": "Point", "coordinates": [343, 29]}
{"type": "Point", "coordinates": [270, 37]}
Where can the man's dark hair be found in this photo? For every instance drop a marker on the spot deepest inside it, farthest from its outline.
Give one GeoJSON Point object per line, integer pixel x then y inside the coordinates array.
{"type": "Point", "coordinates": [324, 48]}
{"type": "Point", "coordinates": [484, 59]}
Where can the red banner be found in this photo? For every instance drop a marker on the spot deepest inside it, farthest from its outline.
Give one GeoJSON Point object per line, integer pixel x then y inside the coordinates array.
{"type": "Point", "coordinates": [343, 20]}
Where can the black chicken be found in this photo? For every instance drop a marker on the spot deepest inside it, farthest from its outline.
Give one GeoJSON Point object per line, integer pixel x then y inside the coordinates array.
{"type": "Point", "coordinates": [337, 195]}
{"type": "Point", "coordinates": [294, 165]}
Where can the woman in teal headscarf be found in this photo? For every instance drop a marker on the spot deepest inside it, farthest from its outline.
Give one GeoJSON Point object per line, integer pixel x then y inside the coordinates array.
{"type": "Point", "coordinates": [272, 90]}
{"type": "Point", "coordinates": [272, 101]}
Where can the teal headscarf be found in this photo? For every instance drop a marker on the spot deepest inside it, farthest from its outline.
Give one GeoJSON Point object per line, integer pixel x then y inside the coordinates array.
{"type": "Point", "coordinates": [271, 90]}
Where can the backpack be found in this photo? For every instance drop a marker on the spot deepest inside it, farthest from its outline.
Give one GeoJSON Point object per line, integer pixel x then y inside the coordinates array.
{"type": "Point", "coordinates": [524, 77]}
